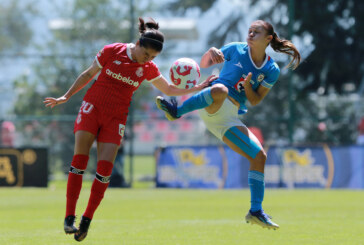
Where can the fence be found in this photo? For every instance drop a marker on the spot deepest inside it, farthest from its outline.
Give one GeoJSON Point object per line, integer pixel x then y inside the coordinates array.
{"type": "Point", "coordinates": [55, 133]}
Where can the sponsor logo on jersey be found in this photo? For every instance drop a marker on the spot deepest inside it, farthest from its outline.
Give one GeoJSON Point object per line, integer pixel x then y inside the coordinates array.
{"type": "Point", "coordinates": [238, 65]}
{"type": "Point", "coordinates": [117, 62]}
{"type": "Point", "coordinates": [139, 72]}
{"type": "Point", "coordinates": [239, 85]}
{"type": "Point", "coordinates": [121, 78]}
{"type": "Point", "coordinates": [260, 77]}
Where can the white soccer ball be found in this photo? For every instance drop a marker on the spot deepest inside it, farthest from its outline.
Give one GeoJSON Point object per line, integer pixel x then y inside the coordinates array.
{"type": "Point", "coordinates": [184, 73]}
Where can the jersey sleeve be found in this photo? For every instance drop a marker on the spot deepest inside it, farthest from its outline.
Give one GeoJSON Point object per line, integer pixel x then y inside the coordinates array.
{"type": "Point", "coordinates": [103, 55]}
{"type": "Point", "coordinates": [228, 50]}
{"type": "Point", "coordinates": [153, 72]}
{"type": "Point", "coordinates": [271, 77]}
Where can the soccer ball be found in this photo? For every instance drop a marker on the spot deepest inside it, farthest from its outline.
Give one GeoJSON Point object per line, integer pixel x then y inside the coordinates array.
{"type": "Point", "coordinates": [184, 73]}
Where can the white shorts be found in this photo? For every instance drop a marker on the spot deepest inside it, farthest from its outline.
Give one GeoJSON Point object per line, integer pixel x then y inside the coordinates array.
{"type": "Point", "coordinates": [219, 122]}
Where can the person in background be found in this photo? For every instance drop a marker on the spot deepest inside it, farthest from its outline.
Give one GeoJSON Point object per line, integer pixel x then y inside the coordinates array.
{"type": "Point", "coordinates": [360, 139]}
{"type": "Point", "coordinates": [7, 134]}
{"type": "Point", "coordinates": [104, 109]}
{"type": "Point", "coordinates": [248, 74]}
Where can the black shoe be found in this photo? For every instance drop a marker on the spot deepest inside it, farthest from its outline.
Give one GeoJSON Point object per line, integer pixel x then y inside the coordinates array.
{"type": "Point", "coordinates": [170, 109]}
{"type": "Point", "coordinates": [82, 229]}
{"type": "Point", "coordinates": [69, 224]}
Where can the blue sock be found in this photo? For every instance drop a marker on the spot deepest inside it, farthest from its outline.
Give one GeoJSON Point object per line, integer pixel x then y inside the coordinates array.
{"type": "Point", "coordinates": [256, 185]}
{"type": "Point", "coordinates": [198, 101]}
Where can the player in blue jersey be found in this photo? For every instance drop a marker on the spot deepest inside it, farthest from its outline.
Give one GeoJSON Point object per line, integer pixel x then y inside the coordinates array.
{"type": "Point", "coordinates": [248, 74]}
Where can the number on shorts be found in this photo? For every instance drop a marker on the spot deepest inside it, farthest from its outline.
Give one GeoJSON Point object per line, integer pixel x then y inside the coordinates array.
{"type": "Point", "coordinates": [86, 107]}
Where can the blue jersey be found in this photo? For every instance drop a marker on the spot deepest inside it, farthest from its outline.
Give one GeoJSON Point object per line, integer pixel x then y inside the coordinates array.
{"type": "Point", "coordinates": [238, 63]}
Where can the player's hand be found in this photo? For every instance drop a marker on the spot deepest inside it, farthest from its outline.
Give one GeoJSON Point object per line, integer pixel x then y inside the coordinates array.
{"type": "Point", "coordinates": [216, 55]}
{"type": "Point", "coordinates": [52, 102]}
{"type": "Point", "coordinates": [247, 79]}
{"type": "Point", "coordinates": [206, 83]}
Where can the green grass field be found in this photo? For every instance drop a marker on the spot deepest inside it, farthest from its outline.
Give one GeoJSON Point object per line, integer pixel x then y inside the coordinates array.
{"type": "Point", "coordinates": [145, 215]}
{"type": "Point", "coordinates": [170, 216]}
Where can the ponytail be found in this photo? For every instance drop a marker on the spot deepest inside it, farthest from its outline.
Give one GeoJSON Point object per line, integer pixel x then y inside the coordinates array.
{"type": "Point", "coordinates": [150, 36]}
{"type": "Point", "coordinates": [287, 47]}
{"type": "Point", "coordinates": [281, 45]}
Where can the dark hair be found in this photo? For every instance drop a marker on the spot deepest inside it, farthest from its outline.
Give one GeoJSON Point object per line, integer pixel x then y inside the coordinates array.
{"type": "Point", "coordinates": [282, 45]}
{"type": "Point", "coordinates": [150, 37]}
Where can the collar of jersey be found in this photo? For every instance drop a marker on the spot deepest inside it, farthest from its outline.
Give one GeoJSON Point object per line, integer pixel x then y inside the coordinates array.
{"type": "Point", "coordinates": [129, 46]}
{"type": "Point", "coordinates": [265, 60]}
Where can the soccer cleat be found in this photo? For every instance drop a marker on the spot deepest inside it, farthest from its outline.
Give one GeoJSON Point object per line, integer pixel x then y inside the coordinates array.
{"type": "Point", "coordinates": [82, 229]}
{"type": "Point", "coordinates": [69, 224]}
{"type": "Point", "coordinates": [170, 109]}
{"type": "Point", "coordinates": [262, 219]}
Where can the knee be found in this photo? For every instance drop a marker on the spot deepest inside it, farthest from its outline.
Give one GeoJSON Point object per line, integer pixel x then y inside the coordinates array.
{"type": "Point", "coordinates": [258, 163]}
{"type": "Point", "coordinates": [261, 158]}
{"type": "Point", "coordinates": [219, 91]}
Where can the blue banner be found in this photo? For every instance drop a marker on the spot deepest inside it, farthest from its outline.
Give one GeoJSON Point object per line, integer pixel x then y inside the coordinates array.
{"type": "Point", "coordinates": [287, 167]}
{"type": "Point", "coordinates": [190, 167]}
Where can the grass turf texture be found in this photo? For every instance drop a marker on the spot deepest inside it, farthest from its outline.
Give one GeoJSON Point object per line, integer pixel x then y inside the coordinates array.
{"type": "Point", "coordinates": [170, 216]}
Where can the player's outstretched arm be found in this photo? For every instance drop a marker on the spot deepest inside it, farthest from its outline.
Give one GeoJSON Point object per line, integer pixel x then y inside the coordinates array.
{"type": "Point", "coordinates": [206, 83]}
{"type": "Point", "coordinates": [211, 57]}
{"type": "Point", "coordinates": [170, 89]}
{"type": "Point", "coordinates": [81, 81]}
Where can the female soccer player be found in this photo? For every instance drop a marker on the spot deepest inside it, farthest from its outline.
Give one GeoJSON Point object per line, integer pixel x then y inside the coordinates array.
{"type": "Point", "coordinates": [248, 74]}
{"type": "Point", "coordinates": [103, 113]}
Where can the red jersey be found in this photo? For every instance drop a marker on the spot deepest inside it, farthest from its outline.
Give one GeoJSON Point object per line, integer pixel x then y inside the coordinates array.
{"type": "Point", "coordinates": [119, 78]}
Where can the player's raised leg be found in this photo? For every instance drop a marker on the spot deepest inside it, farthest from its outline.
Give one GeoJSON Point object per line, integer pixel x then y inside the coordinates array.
{"type": "Point", "coordinates": [169, 108]}
{"type": "Point", "coordinates": [211, 97]}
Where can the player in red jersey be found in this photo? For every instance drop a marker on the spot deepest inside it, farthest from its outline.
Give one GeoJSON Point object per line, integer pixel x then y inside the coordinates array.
{"type": "Point", "coordinates": [103, 113]}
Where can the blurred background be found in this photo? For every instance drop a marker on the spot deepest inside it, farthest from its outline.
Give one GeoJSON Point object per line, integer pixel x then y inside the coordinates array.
{"type": "Point", "coordinates": [45, 45]}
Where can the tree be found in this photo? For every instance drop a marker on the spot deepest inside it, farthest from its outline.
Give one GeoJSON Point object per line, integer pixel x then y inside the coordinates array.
{"type": "Point", "coordinates": [329, 36]}
{"type": "Point", "coordinates": [180, 7]}
{"type": "Point", "coordinates": [74, 42]}
{"type": "Point", "coordinates": [85, 30]}
{"type": "Point", "coordinates": [335, 28]}
{"type": "Point", "coordinates": [15, 32]}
